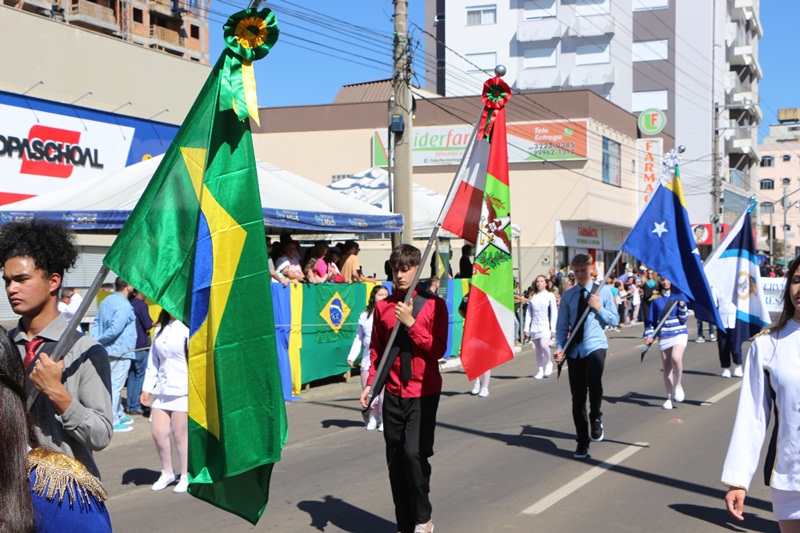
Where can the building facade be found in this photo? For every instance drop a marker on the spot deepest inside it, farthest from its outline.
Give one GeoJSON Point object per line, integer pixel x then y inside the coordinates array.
{"type": "Point", "coordinates": [576, 184]}
{"type": "Point", "coordinates": [779, 188]}
{"type": "Point", "coordinates": [176, 27]}
{"type": "Point", "coordinates": [697, 62]}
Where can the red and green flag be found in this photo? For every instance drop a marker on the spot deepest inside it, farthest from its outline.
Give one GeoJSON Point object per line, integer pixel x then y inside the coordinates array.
{"type": "Point", "coordinates": [195, 245]}
{"type": "Point", "coordinates": [479, 211]}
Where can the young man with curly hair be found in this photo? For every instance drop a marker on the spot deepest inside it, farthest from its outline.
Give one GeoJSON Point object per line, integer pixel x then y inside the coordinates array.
{"type": "Point", "coordinates": [412, 389]}
{"type": "Point", "coordinates": [70, 399]}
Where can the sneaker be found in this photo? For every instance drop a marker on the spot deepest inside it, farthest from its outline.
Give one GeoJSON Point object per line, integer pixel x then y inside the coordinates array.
{"type": "Point", "coordinates": [713, 337]}
{"type": "Point", "coordinates": [737, 371]}
{"type": "Point", "coordinates": [164, 481]}
{"type": "Point", "coordinates": [667, 405]}
{"type": "Point", "coordinates": [726, 372]}
{"type": "Point", "coordinates": [548, 369]}
{"type": "Point", "coordinates": [126, 420]}
{"type": "Point", "coordinates": [581, 452]}
{"type": "Point", "coordinates": [679, 395]}
{"type": "Point", "coordinates": [182, 485]}
{"type": "Point", "coordinates": [597, 432]}
{"type": "Point", "coordinates": [476, 388]}
{"type": "Point", "coordinates": [483, 393]}
{"type": "Point", "coordinates": [380, 428]}
{"type": "Point", "coordinates": [540, 374]}
{"type": "Point", "coordinates": [699, 340]}
{"type": "Point", "coordinates": [372, 424]}
{"type": "Point", "coordinates": [427, 527]}
{"type": "Point", "coordinates": [122, 428]}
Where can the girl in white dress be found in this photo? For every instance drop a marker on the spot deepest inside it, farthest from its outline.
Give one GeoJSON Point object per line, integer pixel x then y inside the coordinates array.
{"type": "Point", "coordinates": [361, 346]}
{"type": "Point", "coordinates": [541, 325]}
{"type": "Point", "coordinates": [771, 382]}
{"type": "Point", "coordinates": [166, 390]}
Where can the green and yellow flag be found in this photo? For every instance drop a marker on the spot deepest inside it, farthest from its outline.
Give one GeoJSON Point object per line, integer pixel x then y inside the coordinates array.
{"type": "Point", "coordinates": [195, 245]}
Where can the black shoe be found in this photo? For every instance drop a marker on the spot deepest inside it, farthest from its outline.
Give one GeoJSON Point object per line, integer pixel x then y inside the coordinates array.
{"type": "Point", "coordinates": [582, 451]}
{"type": "Point", "coordinates": [134, 412]}
{"type": "Point", "coordinates": [597, 433]}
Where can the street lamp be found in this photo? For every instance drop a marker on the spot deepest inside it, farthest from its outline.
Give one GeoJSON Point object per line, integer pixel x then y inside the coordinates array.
{"type": "Point", "coordinates": [769, 208]}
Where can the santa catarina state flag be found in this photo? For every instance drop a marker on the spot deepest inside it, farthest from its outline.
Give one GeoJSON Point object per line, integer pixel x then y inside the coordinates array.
{"type": "Point", "coordinates": [478, 210]}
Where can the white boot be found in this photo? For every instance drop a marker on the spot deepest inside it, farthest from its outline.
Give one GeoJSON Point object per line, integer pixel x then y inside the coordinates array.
{"type": "Point", "coordinates": [476, 388]}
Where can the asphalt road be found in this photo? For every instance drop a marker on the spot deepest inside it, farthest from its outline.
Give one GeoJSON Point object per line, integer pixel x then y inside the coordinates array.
{"type": "Point", "coordinates": [502, 463]}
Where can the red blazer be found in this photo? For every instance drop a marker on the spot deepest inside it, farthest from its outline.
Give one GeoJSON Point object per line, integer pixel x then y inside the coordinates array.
{"type": "Point", "coordinates": [428, 345]}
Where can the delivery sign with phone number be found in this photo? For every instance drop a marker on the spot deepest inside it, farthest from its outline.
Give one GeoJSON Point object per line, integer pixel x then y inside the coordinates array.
{"type": "Point", "coordinates": [547, 141]}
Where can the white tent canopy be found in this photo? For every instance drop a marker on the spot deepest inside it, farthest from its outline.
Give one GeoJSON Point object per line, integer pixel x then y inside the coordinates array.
{"type": "Point", "coordinates": [372, 186]}
{"type": "Point", "coordinates": [288, 202]}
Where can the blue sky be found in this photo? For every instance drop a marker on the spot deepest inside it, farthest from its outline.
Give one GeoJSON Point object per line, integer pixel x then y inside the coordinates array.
{"type": "Point", "coordinates": [298, 71]}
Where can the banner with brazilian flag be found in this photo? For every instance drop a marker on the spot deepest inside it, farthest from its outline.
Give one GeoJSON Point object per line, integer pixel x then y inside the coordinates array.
{"type": "Point", "coordinates": [195, 245]}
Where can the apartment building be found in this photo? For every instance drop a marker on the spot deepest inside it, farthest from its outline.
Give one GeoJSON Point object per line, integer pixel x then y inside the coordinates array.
{"type": "Point", "coordinates": [697, 62]}
{"type": "Point", "coordinates": [779, 188]}
{"type": "Point", "coordinates": [176, 27]}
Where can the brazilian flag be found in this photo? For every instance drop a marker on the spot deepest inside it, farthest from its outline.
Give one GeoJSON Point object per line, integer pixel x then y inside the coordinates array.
{"type": "Point", "coordinates": [195, 245]}
{"type": "Point", "coordinates": [330, 320]}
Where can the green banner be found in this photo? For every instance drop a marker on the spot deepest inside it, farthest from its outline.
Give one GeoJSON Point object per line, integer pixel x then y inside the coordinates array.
{"type": "Point", "coordinates": [330, 320]}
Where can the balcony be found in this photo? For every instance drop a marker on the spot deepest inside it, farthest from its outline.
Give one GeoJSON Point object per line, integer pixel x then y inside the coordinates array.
{"type": "Point", "coordinates": [738, 92]}
{"type": "Point", "coordinates": [539, 30]}
{"type": "Point", "coordinates": [588, 75]}
{"type": "Point", "coordinates": [538, 78]}
{"type": "Point", "coordinates": [745, 10]}
{"type": "Point", "coordinates": [742, 143]}
{"type": "Point", "coordinates": [165, 35]}
{"type": "Point", "coordinates": [91, 14]}
{"type": "Point", "coordinates": [739, 178]}
{"type": "Point", "coordinates": [161, 6]}
{"type": "Point", "coordinates": [594, 26]}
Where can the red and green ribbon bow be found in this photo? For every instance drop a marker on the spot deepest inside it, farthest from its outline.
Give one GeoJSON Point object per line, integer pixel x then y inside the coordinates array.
{"type": "Point", "coordinates": [495, 95]}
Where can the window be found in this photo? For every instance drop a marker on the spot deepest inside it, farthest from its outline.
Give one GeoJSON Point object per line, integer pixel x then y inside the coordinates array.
{"type": "Point", "coordinates": [137, 15]}
{"type": "Point", "coordinates": [647, 5]}
{"type": "Point", "coordinates": [538, 9]}
{"type": "Point", "coordinates": [587, 8]}
{"type": "Point", "coordinates": [611, 161]}
{"type": "Point", "coordinates": [481, 61]}
{"type": "Point", "coordinates": [195, 31]}
{"type": "Point", "coordinates": [541, 56]}
{"type": "Point", "coordinates": [481, 15]}
{"type": "Point", "coordinates": [650, 100]}
{"type": "Point", "coordinates": [651, 50]}
{"type": "Point", "coordinates": [767, 161]}
{"type": "Point", "coordinates": [592, 54]}
{"type": "Point", "coordinates": [786, 158]}
{"type": "Point", "coordinates": [767, 185]}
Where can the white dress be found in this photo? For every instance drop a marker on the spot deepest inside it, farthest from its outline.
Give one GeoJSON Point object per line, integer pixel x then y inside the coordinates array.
{"type": "Point", "coordinates": [361, 342]}
{"type": "Point", "coordinates": [167, 375]}
{"type": "Point", "coordinates": [540, 321]}
{"type": "Point", "coordinates": [771, 370]}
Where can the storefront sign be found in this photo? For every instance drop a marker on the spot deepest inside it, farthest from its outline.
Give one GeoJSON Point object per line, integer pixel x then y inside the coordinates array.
{"type": "Point", "coordinates": [652, 121]}
{"type": "Point", "coordinates": [527, 142]}
{"type": "Point", "coordinates": [45, 146]}
{"type": "Point", "coordinates": [650, 154]}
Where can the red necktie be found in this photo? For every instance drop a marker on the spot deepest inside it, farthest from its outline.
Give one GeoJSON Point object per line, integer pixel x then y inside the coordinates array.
{"type": "Point", "coordinates": [30, 351]}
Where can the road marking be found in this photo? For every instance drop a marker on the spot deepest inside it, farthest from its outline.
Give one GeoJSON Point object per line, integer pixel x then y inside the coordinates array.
{"type": "Point", "coordinates": [717, 397]}
{"type": "Point", "coordinates": [555, 497]}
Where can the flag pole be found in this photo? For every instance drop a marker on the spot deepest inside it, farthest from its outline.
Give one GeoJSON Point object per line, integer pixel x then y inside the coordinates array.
{"type": "Point", "coordinates": [382, 372]}
{"type": "Point", "coordinates": [674, 156]}
{"type": "Point", "coordinates": [667, 312]}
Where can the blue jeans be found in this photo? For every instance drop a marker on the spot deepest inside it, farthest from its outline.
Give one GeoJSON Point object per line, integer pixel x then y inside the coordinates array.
{"type": "Point", "coordinates": [712, 329]}
{"type": "Point", "coordinates": [119, 373]}
{"type": "Point", "coordinates": [136, 380]}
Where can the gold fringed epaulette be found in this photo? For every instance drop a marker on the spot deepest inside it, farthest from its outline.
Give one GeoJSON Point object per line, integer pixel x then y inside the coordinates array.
{"type": "Point", "coordinates": [58, 475]}
{"type": "Point", "coordinates": [765, 331]}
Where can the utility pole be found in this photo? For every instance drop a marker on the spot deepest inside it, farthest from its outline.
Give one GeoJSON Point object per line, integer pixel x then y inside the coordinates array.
{"type": "Point", "coordinates": [401, 123]}
{"type": "Point", "coordinates": [716, 187]}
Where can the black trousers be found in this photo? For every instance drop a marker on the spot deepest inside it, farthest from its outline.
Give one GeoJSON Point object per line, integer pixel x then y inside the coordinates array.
{"type": "Point", "coordinates": [727, 347]}
{"type": "Point", "coordinates": [408, 426]}
{"type": "Point", "coordinates": [586, 376]}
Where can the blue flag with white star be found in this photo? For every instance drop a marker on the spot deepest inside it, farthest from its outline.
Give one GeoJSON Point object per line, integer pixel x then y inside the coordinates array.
{"type": "Point", "coordinates": [663, 240]}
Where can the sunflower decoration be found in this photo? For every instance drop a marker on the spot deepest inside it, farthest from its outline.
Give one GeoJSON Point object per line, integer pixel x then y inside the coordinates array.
{"type": "Point", "coordinates": [249, 36]}
{"type": "Point", "coordinates": [496, 93]}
